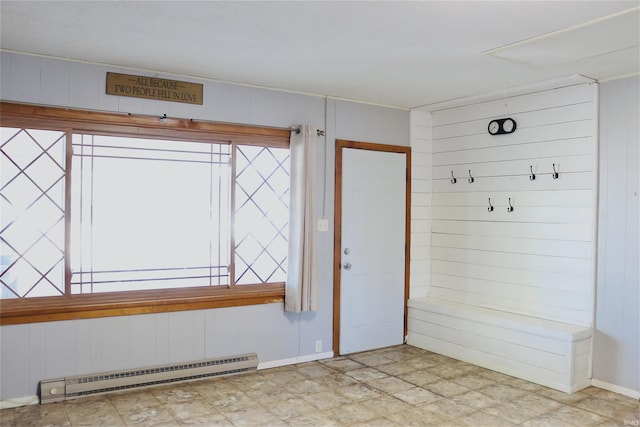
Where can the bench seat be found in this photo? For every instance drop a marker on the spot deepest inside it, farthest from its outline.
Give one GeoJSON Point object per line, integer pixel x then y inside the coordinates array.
{"type": "Point", "coordinates": [550, 353]}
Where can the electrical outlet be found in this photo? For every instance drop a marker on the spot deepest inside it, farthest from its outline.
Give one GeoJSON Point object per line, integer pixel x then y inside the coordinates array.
{"type": "Point", "coordinates": [318, 346]}
{"type": "Point", "coordinates": [323, 225]}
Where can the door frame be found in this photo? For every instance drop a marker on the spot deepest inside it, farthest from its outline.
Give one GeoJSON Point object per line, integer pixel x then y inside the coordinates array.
{"type": "Point", "coordinates": [337, 232]}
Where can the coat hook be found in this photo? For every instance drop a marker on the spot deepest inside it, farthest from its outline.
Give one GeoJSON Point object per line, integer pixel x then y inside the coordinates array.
{"type": "Point", "coordinates": [164, 116]}
{"type": "Point", "coordinates": [490, 208]}
{"type": "Point", "coordinates": [510, 208]}
{"type": "Point", "coordinates": [555, 172]}
{"type": "Point", "coordinates": [470, 177]}
{"type": "Point", "coordinates": [533, 175]}
{"type": "Point", "coordinates": [453, 178]}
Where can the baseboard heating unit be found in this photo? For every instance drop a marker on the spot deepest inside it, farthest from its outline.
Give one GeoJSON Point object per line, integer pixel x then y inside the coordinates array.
{"type": "Point", "coordinates": [59, 389]}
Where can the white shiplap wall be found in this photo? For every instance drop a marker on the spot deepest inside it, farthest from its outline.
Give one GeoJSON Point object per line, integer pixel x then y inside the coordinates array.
{"type": "Point", "coordinates": [539, 259]}
{"type": "Point", "coordinates": [420, 137]}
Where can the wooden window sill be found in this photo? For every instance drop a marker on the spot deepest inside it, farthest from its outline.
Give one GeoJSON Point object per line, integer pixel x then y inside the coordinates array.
{"type": "Point", "coordinates": [48, 309]}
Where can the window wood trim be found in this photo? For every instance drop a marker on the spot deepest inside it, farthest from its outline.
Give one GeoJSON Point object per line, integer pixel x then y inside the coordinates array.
{"type": "Point", "coordinates": [69, 307]}
{"type": "Point", "coordinates": [138, 125]}
{"type": "Point", "coordinates": [89, 306]}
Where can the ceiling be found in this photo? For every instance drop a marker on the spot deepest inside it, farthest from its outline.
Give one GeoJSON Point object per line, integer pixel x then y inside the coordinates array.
{"type": "Point", "coordinates": [395, 53]}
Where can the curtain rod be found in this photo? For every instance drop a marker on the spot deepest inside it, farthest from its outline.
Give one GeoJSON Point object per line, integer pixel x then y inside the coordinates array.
{"type": "Point", "coordinates": [319, 132]}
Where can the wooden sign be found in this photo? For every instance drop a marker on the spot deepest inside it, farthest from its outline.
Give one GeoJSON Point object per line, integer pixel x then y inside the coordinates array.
{"type": "Point", "coordinates": [154, 88]}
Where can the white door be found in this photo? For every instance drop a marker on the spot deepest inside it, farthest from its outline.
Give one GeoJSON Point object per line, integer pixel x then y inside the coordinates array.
{"type": "Point", "coordinates": [373, 249]}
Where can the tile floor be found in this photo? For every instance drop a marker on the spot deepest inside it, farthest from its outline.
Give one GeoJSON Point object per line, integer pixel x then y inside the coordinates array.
{"type": "Point", "coordinates": [397, 386]}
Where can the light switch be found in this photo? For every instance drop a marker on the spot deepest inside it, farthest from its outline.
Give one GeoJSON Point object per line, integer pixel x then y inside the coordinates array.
{"type": "Point", "coordinates": [323, 225]}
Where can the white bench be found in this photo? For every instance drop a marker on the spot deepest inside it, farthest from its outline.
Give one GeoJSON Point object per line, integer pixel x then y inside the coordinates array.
{"type": "Point", "coordinates": [549, 353]}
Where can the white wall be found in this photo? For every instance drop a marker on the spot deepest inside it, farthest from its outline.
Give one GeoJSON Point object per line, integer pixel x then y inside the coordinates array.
{"type": "Point", "coordinates": [539, 259]}
{"type": "Point", "coordinates": [616, 344]}
{"type": "Point", "coordinates": [420, 203]}
{"type": "Point", "coordinates": [31, 352]}
{"type": "Point", "coordinates": [617, 323]}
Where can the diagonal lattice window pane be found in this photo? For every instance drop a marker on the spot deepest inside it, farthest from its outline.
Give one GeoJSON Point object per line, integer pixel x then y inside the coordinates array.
{"type": "Point", "coordinates": [32, 183]}
{"type": "Point", "coordinates": [261, 214]}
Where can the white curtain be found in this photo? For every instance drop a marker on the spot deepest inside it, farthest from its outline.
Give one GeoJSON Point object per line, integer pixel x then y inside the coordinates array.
{"type": "Point", "coordinates": [301, 286]}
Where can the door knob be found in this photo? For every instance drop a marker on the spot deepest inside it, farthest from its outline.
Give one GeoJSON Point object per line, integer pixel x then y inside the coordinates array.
{"type": "Point", "coordinates": [347, 266]}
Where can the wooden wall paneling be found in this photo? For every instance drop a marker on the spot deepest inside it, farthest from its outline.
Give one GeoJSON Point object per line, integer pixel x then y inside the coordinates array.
{"type": "Point", "coordinates": [540, 279]}
{"type": "Point", "coordinates": [493, 331]}
{"type": "Point", "coordinates": [475, 355]}
{"type": "Point", "coordinates": [530, 119]}
{"type": "Point", "coordinates": [537, 259]}
{"type": "Point", "coordinates": [553, 198]}
{"type": "Point", "coordinates": [571, 181]}
{"type": "Point", "coordinates": [534, 150]}
{"type": "Point", "coordinates": [495, 108]}
{"type": "Point", "coordinates": [549, 353]}
{"type": "Point", "coordinates": [528, 355]}
{"type": "Point", "coordinates": [510, 305]}
{"type": "Point", "coordinates": [543, 168]}
{"type": "Point", "coordinates": [421, 161]}
{"type": "Point", "coordinates": [504, 290]}
{"type": "Point", "coordinates": [550, 132]}
{"type": "Point", "coordinates": [479, 347]}
{"type": "Point", "coordinates": [543, 231]}
{"type": "Point", "coordinates": [549, 264]}
{"type": "Point", "coordinates": [575, 300]}
{"type": "Point", "coordinates": [617, 339]}
{"type": "Point", "coordinates": [517, 245]}
{"type": "Point", "coordinates": [545, 215]}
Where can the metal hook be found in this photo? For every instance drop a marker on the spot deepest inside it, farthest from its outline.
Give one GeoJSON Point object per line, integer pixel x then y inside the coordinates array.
{"type": "Point", "coordinates": [164, 116]}
{"type": "Point", "coordinates": [510, 208]}
{"type": "Point", "coordinates": [453, 178]}
{"type": "Point", "coordinates": [470, 177]}
{"type": "Point", "coordinates": [533, 175]}
{"type": "Point", "coordinates": [490, 208]}
{"type": "Point", "coordinates": [555, 172]}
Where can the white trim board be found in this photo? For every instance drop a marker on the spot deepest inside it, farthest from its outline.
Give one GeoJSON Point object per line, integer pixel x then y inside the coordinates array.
{"type": "Point", "coordinates": [634, 394]}
{"type": "Point", "coordinates": [34, 400]}
{"type": "Point", "coordinates": [17, 402]}
{"type": "Point", "coordinates": [295, 360]}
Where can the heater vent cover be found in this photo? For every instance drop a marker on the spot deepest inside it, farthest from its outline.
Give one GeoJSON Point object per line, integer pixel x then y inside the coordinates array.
{"type": "Point", "coordinates": [59, 389]}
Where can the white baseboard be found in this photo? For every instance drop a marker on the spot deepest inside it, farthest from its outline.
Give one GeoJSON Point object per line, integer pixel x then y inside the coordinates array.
{"type": "Point", "coordinates": [16, 402]}
{"type": "Point", "coordinates": [635, 394]}
{"type": "Point", "coordinates": [294, 360]}
{"type": "Point", "coordinates": [34, 400]}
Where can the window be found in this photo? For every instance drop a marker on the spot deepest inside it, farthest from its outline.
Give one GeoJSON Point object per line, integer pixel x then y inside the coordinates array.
{"type": "Point", "coordinates": [123, 219]}
{"type": "Point", "coordinates": [261, 214]}
{"type": "Point", "coordinates": [148, 214]}
{"type": "Point", "coordinates": [32, 172]}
